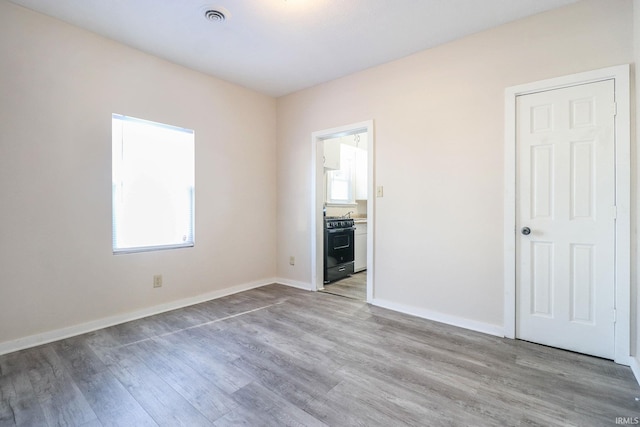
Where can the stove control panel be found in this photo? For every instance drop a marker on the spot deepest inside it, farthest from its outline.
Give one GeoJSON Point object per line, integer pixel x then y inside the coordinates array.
{"type": "Point", "coordinates": [331, 223]}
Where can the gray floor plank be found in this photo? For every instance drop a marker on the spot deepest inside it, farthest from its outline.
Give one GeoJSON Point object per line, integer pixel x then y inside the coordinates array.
{"type": "Point", "coordinates": [211, 363]}
{"type": "Point", "coordinates": [112, 403]}
{"type": "Point", "coordinates": [19, 404]}
{"type": "Point", "coordinates": [255, 397]}
{"type": "Point", "coordinates": [202, 394]}
{"type": "Point", "coordinates": [165, 405]}
{"type": "Point", "coordinates": [354, 287]}
{"type": "Point", "coordinates": [61, 400]}
{"type": "Point", "coordinates": [281, 356]}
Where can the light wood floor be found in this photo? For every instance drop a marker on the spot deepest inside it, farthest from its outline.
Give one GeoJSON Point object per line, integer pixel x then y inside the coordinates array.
{"type": "Point", "coordinates": [280, 356]}
{"type": "Point", "coordinates": [354, 287]}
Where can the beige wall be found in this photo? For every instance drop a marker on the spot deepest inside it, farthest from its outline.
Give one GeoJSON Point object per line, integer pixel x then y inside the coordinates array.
{"type": "Point", "coordinates": [58, 88]}
{"type": "Point", "coordinates": [439, 123]}
{"type": "Point", "coordinates": [438, 135]}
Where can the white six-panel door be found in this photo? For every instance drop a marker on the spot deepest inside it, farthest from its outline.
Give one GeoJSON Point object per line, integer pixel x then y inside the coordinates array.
{"type": "Point", "coordinates": [565, 202]}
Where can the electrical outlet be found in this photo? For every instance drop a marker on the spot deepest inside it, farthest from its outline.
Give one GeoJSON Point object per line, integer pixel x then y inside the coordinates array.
{"type": "Point", "coordinates": [380, 192]}
{"type": "Point", "coordinates": [292, 260]}
{"type": "Point", "coordinates": [157, 281]}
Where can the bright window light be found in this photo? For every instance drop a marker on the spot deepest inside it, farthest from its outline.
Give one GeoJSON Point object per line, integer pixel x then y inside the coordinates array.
{"type": "Point", "coordinates": [153, 185]}
{"type": "Point", "coordinates": [341, 183]}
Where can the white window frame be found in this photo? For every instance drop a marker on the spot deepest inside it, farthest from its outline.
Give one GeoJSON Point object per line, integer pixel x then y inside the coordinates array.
{"type": "Point", "coordinates": [161, 174]}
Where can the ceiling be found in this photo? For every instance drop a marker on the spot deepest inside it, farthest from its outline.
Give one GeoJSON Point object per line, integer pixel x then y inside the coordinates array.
{"type": "Point", "coordinates": [280, 46]}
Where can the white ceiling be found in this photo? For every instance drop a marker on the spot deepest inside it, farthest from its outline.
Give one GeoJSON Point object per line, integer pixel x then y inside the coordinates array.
{"type": "Point", "coordinates": [280, 46]}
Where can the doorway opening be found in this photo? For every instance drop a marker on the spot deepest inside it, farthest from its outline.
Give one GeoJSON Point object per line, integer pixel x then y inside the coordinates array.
{"type": "Point", "coordinates": [342, 211]}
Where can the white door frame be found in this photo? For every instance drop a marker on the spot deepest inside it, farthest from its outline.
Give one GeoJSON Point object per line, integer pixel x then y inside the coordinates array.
{"type": "Point", "coordinates": [620, 75]}
{"type": "Point", "coordinates": [317, 201]}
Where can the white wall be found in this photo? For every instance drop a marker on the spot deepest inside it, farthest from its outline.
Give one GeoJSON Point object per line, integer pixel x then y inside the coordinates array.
{"type": "Point", "coordinates": [635, 198]}
{"type": "Point", "coordinates": [58, 88]}
{"type": "Point", "coordinates": [439, 123]}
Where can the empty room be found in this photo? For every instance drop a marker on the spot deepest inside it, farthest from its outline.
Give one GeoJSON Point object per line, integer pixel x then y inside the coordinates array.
{"type": "Point", "coordinates": [201, 207]}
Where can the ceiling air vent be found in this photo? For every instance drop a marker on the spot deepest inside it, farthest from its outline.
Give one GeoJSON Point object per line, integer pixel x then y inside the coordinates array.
{"type": "Point", "coordinates": [215, 15]}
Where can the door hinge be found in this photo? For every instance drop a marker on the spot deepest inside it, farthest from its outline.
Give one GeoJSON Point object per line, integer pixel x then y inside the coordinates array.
{"type": "Point", "coordinates": [615, 315]}
{"type": "Point", "coordinates": [614, 109]}
{"type": "Point", "coordinates": [614, 212]}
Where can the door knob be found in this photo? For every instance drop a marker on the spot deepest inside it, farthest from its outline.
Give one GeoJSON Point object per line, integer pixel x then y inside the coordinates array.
{"type": "Point", "coordinates": [526, 231]}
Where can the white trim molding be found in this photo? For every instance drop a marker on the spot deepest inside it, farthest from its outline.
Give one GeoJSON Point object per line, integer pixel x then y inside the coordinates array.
{"type": "Point", "coordinates": [83, 328]}
{"type": "Point", "coordinates": [461, 322]}
{"type": "Point", "coordinates": [620, 75]}
{"type": "Point", "coordinates": [294, 284]}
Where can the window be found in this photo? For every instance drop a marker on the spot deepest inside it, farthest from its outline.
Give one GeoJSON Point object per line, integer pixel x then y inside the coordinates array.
{"type": "Point", "coordinates": [341, 182]}
{"type": "Point", "coordinates": [152, 185]}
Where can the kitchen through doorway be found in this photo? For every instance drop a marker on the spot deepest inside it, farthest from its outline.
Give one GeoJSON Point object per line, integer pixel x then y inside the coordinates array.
{"type": "Point", "coordinates": [345, 215]}
{"type": "Point", "coordinates": [343, 212]}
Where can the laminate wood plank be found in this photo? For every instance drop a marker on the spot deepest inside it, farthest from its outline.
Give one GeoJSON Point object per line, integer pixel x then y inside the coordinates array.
{"type": "Point", "coordinates": [209, 338]}
{"type": "Point", "coordinates": [269, 357]}
{"type": "Point", "coordinates": [279, 411]}
{"type": "Point", "coordinates": [210, 362]}
{"type": "Point", "coordinates": [294, 341]}
{"type": "Point", "coordinates": [282, 356]}
{"type": "Point", "coordinates": [78, 357]}
{"type": "Point", "coordinates": [430, 403]}
{"type": "Point", "coordinates": [202, 394]}
{"type": "Point", "coordinates": [233, 304]}
{"type": "Point", "coordinates": [19, 404]}
{"type": "Point", "coordinates": [112, 403]}
{"type": "Point", "coordinates": [172, 321]}
{"type": "Point", "coordinates": [354, 287]}
{"type": "Point", "coordinates": [265, 358]}
{"type": "Point", "coordinates": [589, 370]}
{"type": "Point", "coordinates": [94, 423]}
{"type": "Point", "coordinates": [102, 343]}
{"type": "Point", "coordinates": [216, 369]}
{"type": "Point", "coordinates": [127, 333]}
{"type": "Point", "coordinates": [347, 404]}
{"type": "Point", "coordinates": [285, 376]}
{"type": "Point", "coordinates": [280, 383]}
{"type": "Point", "coordinates": [325, 316]}
{"type": "Point", "coordinates": [455, 378]}
{"type": "Point", "coordinates": [248, 418]}
{"type": "Point", "coordinates": [61, 400]}
{"type": "Point", "coordinates": [165, 405]}
{"type": "Point", "coordinates": [444, 389]}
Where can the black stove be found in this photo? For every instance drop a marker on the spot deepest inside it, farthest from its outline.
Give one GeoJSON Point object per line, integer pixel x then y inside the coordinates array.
{"type": "Point", "coordinates": [338, 248]}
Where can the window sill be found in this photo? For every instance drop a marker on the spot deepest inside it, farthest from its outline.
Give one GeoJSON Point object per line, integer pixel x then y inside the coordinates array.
{"type": "Point", "coordinates": [338, 205]}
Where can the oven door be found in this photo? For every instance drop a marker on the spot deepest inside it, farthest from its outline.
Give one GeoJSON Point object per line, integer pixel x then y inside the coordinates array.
{"type": "Point", "coordinates": [339, 246]}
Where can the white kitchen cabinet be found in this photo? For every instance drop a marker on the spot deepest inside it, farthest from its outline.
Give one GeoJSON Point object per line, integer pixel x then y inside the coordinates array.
{"type": "Point", "coordinates": [332, 154]}
{"type": "Point", "coordinates": [361, 174]}
{"type": "Point", "coordinates": [360, 247]}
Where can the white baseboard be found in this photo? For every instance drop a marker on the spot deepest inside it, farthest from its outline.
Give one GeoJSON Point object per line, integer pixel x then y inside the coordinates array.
{"type": "Point", "coordinates": [487, 328]}
{"type": "Point", "coordinates": [294, 284]}
{"type": "Point", "coordinates": [635, 367]}
{"type": "Point", "coordinates": [83, 328]}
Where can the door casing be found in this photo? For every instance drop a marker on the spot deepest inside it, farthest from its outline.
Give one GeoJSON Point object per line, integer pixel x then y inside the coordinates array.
{"type": "Point", "coordinates": [620, 75]}
{"type": "Point", "coordinates": [317, 201]}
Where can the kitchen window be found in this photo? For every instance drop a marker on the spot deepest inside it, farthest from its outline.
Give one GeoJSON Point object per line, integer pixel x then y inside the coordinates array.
{"type": "Point", "coordinates": [153, 186]}
{"type": "Point", "coordinates": [341, 182]}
